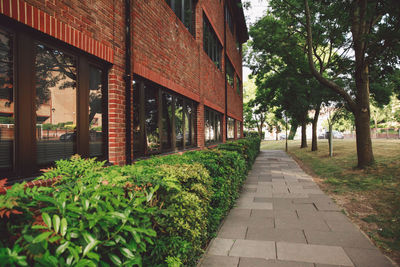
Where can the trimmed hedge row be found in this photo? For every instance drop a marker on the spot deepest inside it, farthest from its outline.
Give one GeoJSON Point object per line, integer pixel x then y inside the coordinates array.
{"type": "Point", "coordinates": [157, 212]}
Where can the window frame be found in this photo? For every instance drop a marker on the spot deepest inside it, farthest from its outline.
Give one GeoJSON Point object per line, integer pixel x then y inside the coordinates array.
{"type": "Point", "coordinates": [24, 85]}
{"type": "Point", "coordinates": [172, 4]}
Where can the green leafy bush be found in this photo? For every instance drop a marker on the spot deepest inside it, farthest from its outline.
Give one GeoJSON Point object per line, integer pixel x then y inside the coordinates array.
{"type": "Point", "coordinates": [156, 212]}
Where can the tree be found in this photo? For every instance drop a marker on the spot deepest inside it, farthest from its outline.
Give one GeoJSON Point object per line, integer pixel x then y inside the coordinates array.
{"type": "Point", "coordinates": [372, 30]}
{"type": "Point", "coordinates": [278, 59]}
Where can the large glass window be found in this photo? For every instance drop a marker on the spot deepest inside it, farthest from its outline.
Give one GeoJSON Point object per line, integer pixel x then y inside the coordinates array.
{"type": "Point", "coordinates": [238, 124]}
{"type": "Point", "coordinates": [151, 119]}
{"type": "Point", "coordinates": [56, 113]}
{"type": "Point", "coordinates": [6, 101]}
{"type": "Point", "coordinates": [211, 44]}
{"type": "Point", "coordinates": [184, 11]}
{"type": "Point", "coordinates": [238, 86]}
{"type": "Point", "coordinates": [212, 129]}
{"type": "Point", "coordinates": [179, 122]}
{"type": "Point", "coordinates": [229, 71]}
{"type": "Point", "coordinates": [231, 128]}
{"type": "Point", "coordinates": [96, 110]}
{"type": "Point", "coordinates": [189, 123]}
{"type": "Point", "coordinates": [228, 18]}
{"type": "Point", "coordinates": [167, 106]}
{"type": "Point", "coordinates": [173, 113]}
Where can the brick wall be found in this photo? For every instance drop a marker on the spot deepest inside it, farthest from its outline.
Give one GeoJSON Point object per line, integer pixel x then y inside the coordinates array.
{"type": "Point", "coordinates": [163, 51]}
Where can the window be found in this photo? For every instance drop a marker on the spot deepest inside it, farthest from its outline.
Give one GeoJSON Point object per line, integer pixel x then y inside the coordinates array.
{"type": "Point", "coordinates": [238, 86]}
{"type": "Point", "coordinates": [6, 101]}
{"type": "Point", "coordinates": [167, 120]}
{"type": "Point", "coordinates": [211, 44]}
{"type": "Point", "coordinates": [229, 71]}
{"type": "Point", "coordinates": [213, 123]}
{"type": "Point", "coordinates": [184, 11]}
{"type": "Point", "coordinates": [228, 18]}
{"type": "Point", "coordinates": [230, 128]}
{"type": "Point", "coordinates": [57, 109]}
{"type": "Point", "coordinates": [238, 124]}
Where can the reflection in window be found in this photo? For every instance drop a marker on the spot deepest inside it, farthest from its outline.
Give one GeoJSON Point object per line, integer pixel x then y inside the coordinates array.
{"type": "Point", "coordinates": [212, 120]}
{"type": "Point", "coordinates": [231, 128]}
{"type": "Point", "coordinates": [184, 11]}
{"type": "Point", "coordinates": [161, 109]}
{"type": "Point", "coordinates": [151, 119]}
{"type": "Point", "coordinates": [238, 129]}
{"type": "Point", "coordinates": [55, 104]}
{"type": "Point", "coordinates": [211, 44]}
{"type": "Point", "coordinates": [95, 112]}
{"type": "Point", "coordinates": [137, 142]}
{"type": "Point", "coordinates": [238, 87]}
{"type": "Point", "coordinates": [189, 120]}
{"type": "Point", "coordinates": [207, 125]}
{"type": "Point", "coordinates": [179, 122]}
{"type": "Point", "coordinates": [167, 121]}
{"type": "Point", "coordinates": [229, 72]}
{"type": "Point", "coordinates": [6, 101]}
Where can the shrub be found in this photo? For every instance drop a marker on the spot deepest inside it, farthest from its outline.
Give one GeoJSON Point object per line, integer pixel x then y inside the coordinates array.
{"type": "Point", "coordinates": [156, 212]}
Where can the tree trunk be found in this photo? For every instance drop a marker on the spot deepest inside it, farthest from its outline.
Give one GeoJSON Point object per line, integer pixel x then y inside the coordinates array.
{"type": "Point", "coordinates": [330, 140]}
{"type": "Point", "coordinates": [303, 135]}
{"type": "Point", "coordinates": [314, 144]}
{"type": "Point", "coordinates": [293, 130]}
{"type": "Point", "coordinates": [363, 138]}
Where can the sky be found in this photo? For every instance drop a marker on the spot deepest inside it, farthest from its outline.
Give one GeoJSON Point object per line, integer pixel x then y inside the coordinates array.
{"type": "Point", "coordinates": [257, 10]}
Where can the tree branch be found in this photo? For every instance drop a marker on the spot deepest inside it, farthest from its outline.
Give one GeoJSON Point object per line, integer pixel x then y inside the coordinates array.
{"type": "Point", "coordinates": [333, 86]}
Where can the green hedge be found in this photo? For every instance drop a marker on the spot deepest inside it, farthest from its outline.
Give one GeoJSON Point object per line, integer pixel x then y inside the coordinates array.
{"type": "Point", "coordinates": [157, 212]}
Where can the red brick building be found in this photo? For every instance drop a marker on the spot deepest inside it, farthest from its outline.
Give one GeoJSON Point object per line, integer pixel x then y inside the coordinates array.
{"type": "Point", "coordinates": [116, 79]}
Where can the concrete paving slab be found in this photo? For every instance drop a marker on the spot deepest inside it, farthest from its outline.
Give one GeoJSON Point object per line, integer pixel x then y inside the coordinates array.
{"type": "Point", "coordinates": [341, 226]}
{"type": "Point", "coordinates": [254, 205]}
{"type": "Point", "coordinates": [354, 239]}
{"type": "Point", "coordinates": [326, 215]}
{"type": "Point", "coordinates": [251, 262]}
{"type": "Point", "coordinates": [220, 261]}
{"type": "Point", "coordinates": [368, 258]}
{"type": "Point", "coordinates": [220, 246]}
{"type": "Point", "coordinates": [232, 231]}
{"type": "Point", "coordinates": [253, 249]}
{"type": "Point", "coordinates": [312, 253]}
{"type": "Point", "coordinates": [262, 214]}
{"type": "Point", "coordinates": [306, 224]}
{"type": "Point", "coordinates": [274, 234]}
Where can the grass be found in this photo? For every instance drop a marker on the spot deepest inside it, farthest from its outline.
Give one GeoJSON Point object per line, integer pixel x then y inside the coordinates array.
{"type": "Point", "coordinates": [371, 197]}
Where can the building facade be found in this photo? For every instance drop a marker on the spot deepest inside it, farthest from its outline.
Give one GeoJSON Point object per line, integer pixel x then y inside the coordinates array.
{"type": "Point", "coordinates": [116, 79]}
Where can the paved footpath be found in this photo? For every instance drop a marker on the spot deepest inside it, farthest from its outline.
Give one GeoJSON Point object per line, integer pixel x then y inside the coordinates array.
{"type": "Point", "coordinates": [283, 219]}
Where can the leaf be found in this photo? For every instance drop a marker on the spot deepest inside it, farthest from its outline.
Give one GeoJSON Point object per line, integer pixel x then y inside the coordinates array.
{"type": "Point", "coordinates": [39, 226]}
{"type": "Point", "coordinates": [54, 238]}
{"type": "Point", "coordinates": [41, 237]}
{"type": "Point", "coordinates": [74, 253]}
{"type": "Point", "coordinates": [63, 226]}
{"type": "Point", "coordinates": [85, 262]}
{"type": "Point", "coordinates": [94, 256]}
{"type": "Point", "coordinates": [46, 219]}
{"type": "Point", "coordinates": [88, 237]}
{"type": "Point", "coordinates": [3, 182]}
{"type": "Point", "coordinates": [115, 259]}
{"type": "Point", "coordinates": [127, 253]}
{"type": "Point", "coordinates": [56, 223]}
{"type": "Point", "coordinates": [90, 246]}
{"type": "Point", "coordinates": [85, 204]}
{"type": "Point", "coordinates": [60, 250]}
{"type": "Point", "coordinates": [118, 215]}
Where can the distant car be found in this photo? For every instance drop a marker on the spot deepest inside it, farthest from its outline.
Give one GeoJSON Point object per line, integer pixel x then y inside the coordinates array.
{"type": "Point", "coordinates": [282, 137]}
{"type": "Point", "coordinates": [68, 137]}
{"type": "Point", "coordinates": [335, 135]}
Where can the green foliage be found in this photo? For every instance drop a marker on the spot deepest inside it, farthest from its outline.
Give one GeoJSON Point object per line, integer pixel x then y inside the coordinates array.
{"type": "Point", "coordinates": [156, 212]}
